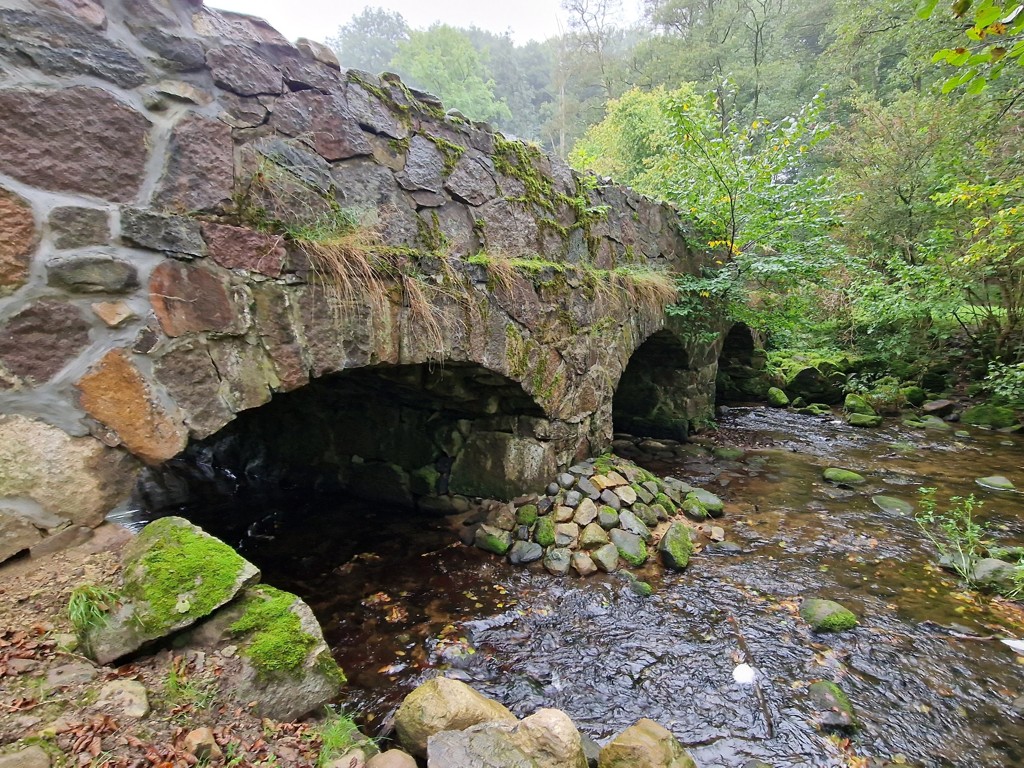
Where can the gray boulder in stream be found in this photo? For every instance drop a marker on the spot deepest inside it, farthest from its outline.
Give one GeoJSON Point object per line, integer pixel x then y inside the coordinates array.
{"type": "Point", "coordinates": [827, 615]}
{"type": "Point", "coordinates": [645, 745]}
{"type": "Point", "coordinates": [832, 707]}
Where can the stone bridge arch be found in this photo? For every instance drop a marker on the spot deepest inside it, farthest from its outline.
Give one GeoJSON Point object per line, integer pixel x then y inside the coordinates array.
{"type": "Point", "coordinates": [167, 177]}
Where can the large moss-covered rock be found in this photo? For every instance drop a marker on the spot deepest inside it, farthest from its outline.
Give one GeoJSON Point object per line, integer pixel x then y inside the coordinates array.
{"type": "Point", "coordinates": [286, 669]}
{"type": "Point", "coordinates": [843, 476]}
{"type": "Point", "coordinates": [631, 547]}
{"type": "Point", "coordinates": [858, 404]}
{"type": "Point", "coordinates": [988, 415]}
{"type": "Point", "coordinates": [827, 615]}
{"type": "Point", "coordinates": [645, 745]}
{"type": "Point", "coordinates": [863, 420]}
{"type": "Point", "coordinates": [440, 705]}
{"type": "Point", "coordinates": [709, 501]}
{"type": "Point", "coordinates": [676, 546]}
{"type": "Point", "coordinates": [777, 398]}
{"type": "Point", "coordinates": [174, 574]}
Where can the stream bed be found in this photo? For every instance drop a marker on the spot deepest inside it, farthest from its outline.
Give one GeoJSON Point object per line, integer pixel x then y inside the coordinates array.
{"type": "Point", "coordinates": [399, 598]}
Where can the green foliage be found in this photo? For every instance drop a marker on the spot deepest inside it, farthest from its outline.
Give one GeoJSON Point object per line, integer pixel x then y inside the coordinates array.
{"type": "Point", "coordinates": [443, 61]}
{"type": "Point", "coordinates": [955, 532]}
{"type": "Point", "coordinates": [994, 40]}
{"type": "Point", "coordinates": [1006, 382]}
{"type": "Point", "coordinates": [182, 690]}
{"type": "Point", "coordinates": [338, 734]}
{"type": "Point", "coordinates": [370, 40]}
{"type": "Point", "coordinates": [89, 607]}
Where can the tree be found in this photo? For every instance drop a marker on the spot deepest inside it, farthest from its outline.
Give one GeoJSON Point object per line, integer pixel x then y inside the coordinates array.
{"type": "Point", "coordinates": [370, 40]}
{"type": "Point", "coordinates": [443, 61]}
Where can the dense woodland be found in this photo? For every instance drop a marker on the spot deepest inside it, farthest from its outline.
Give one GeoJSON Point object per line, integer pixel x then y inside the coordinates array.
{"type": "Point", "coordinates": [858, 163]}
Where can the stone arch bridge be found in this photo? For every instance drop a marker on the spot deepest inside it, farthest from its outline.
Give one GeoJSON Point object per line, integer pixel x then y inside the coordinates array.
{"type": "Point", "coordinates": [212, 238]}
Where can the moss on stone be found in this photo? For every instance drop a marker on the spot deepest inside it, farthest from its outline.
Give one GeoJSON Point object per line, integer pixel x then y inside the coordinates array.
{"type": "Point", "coordinates": [450, 150]}
{"type": "Point", "coordinates": [184, 573]}
{"type": "Point", "coordinates": [276, 641]}
{"type": "Point", "coordinates": [545, 533]}
{"type": "Point", "coordinates": [990, 416]}
{"type": "Point", "coordinates": [670, 506]}
{"type": "Point", "coordinates": [517, 350]}
{"type": "Point", "coordinates": [527, 514]}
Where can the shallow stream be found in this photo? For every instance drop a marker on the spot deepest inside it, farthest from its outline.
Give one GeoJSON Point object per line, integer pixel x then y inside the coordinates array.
{"type": "Point", "coordinates": [930, 681]}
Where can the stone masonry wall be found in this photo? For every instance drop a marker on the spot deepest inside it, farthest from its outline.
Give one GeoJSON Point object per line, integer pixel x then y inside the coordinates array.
{"type": "Point", "coordinates": [154, 157]}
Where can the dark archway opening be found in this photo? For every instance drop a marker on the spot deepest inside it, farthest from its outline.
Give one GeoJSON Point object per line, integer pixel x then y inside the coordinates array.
{"type": "Point", "coordinates": [411, 436]}
{"type": "Point", "coordinates": [651, 399]}
{"type": "Point", "coordinates": [741, 375]}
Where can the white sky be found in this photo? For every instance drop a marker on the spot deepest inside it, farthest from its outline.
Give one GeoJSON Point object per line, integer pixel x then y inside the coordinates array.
{"type": "Point", "coordinates": [318, 19]}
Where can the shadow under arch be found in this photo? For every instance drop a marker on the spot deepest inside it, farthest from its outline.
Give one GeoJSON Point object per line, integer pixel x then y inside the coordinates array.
{"type": "Point", "coordinates": [651, 398]}
{"type": "Point", "coordinates": [741, 363]}
{"type": "Point", "coordinates": [412, 436]}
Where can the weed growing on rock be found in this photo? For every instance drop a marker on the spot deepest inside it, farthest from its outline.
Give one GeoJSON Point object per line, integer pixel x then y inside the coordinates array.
{"type": "Point", "coordinates": [954, 533]}
{"type": "Point", "coordinates": [338, 734]}
{"type": "Point", "coordinates": [89, 607]}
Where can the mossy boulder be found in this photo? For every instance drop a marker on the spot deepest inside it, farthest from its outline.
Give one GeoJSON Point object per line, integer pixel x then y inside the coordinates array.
{"type": "Point", "coordinates": [841, 476]}
{"type": "Point", "coordinates": [694, 510]}
{"type": "Point", "coordinates": [863, 420]}
{"type": "Point", "coordinates": [832, 707]}
{"type": "Point", "coordinates": [676, 546]}
{"type": "Point", "coordinates": [914, 395]}
{"type": "Point", "coordinates": [492, 539]}
{"type": "Point", "coordinates": [858, 404]}
{"type": "Point", "coordinates": [287, 670]}
{"type": "Point", "coordinates": [827, 615]}
{"type": "Point", "coordinates": [777, 398]}
{"type": "Point", "coordinates": [174, 575]}
{"type": "Point", "coordinates": [631, 547]}
{"type": "Point", "coordinates": [645, 745]}
{"type": "Point", "coordinates": [527, 514]}
{"type": "Point", "coordinates": [990, 416]}
{"type": "Point", "coordinates": [926, 422]}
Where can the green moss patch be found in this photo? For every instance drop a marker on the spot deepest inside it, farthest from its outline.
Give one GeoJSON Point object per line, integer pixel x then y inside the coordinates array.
{"type": "Point", "coordinates": [182, 572]}
{"type": "Point", "coordinates": [277, 642]}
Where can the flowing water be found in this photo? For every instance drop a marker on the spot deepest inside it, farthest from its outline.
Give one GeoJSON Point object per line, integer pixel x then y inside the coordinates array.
{"type": "Point", "coordinates": [932, 684]}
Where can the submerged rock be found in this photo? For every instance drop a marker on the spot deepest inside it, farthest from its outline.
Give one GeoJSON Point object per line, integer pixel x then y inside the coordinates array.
{"type": "Point", "coordinates": [892, 505]}
{"type": "Point", "coordinates": [998, 575]}
{"type": "Point", "coordinates": [443, 704]}
{"type": "Point", "coordinates": [996, 483]}
{"type": "Point", "coordinates": [645, 745]}
{"type": "Point", "coordinates": [827, 615]}
{"type": "Point", "coordinates": [843, 476]}
{"type": "Point", "coordinates": [832, 707]}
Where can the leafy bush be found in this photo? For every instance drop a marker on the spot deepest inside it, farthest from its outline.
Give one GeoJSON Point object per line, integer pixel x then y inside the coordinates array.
{"type": "Point", "coordinates": [1006, 382]}
{"type": "Point", "coordinates": [955, 533]}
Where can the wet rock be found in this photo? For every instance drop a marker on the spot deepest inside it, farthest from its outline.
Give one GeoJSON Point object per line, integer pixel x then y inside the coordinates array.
{"type": "Point", "coordinates": [893, 505]}
{"type": "Point", "coordinates": [103, 143]}
{"type": "Point", "coordinates": [502, 517]}
{"type": "Point", "coordinates": [926, 422]}
{"type": "Point", "coordinates": [833, 709]}
{"type": "Point", "coordinates": [524, 552]}
{"type": "Point", "coordinates": [777, 398]}
{"type": "Point", "coordinates": [552, 489]}
{"type": "Point", "coordinates": [582, 563]}
{"type": "Point", "coordinates": [694, 510]}
{"type": "Point", "coordinates": [173, 575]}
{"type": "Point", "coordinates": [607, 518]}
{"type": "Point", "coordinates": [441, 705]}
{"type": "Point", "coordinates": [644, 495]}
{"type": "Point", "coordinates": [630, 546]}
{"type": "Point", "coordinates": [724, 548]}
{"type": "Point", "coordinates": [659, 512]}
{"type": "Point", "coordinates": [631, 523]}
{"type": "Point", "coordinates": [127, 698]}
{"type": "Point", "coordinates": [994, 574]}
{"type": "Point", "coordinates": [557, 561]}
{"type": "Point", "coordinates": [549, 737]}
{"type": "Point", "coordinates": [827, 615]}
{"type": "Point", "coordinates": [29, 757]}
{"type": "Point", "coordinates": [843, 476]}
{"type": "Point", "coordinates": [726, 453]}
{"type": "Point", "coordinates": [675, 547]}
{"type": "Point", "coordinates": [492, 539]}
{"type": "Point", "coordinates": [609, 498]}
{"type": "Point", "coordinates": [996, 483]}
{"type": "Point", "coordinates": [863, 420]}
{"type": "Point", "coordinates": [92, 274]}
{"type": "Point", "coordinates": [645, 745]}
{"type": "Point", "coordinates": [242, 71]}
{"type": "Point", "coordinates": [606, 558]}
{"type": "Point", "coordinates": [709, 501]}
